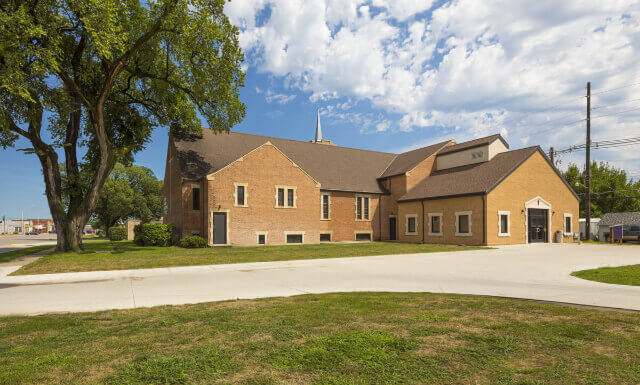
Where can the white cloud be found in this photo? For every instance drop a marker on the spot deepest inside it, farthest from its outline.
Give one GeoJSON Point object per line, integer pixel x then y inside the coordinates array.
{"type": "Point", "coordinates": [271, 96]}
{"type": "Point", "coordinates": [473, 67]}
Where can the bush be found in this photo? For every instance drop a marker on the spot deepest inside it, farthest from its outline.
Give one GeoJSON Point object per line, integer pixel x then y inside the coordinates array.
{"type": "Point", "coordinates": [153, 234]}
{"type": "Point", "coordinates": [117, 233]}
{"type": "Point", "coordinates": [193, 242]}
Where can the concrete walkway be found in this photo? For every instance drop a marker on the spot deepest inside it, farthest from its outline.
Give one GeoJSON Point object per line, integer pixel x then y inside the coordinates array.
{"type": "Point", "coordinates": [538, 272]}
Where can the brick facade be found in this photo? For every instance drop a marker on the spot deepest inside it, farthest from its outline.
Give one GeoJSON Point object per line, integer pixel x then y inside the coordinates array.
{"type": "Point", "coordinates": [533, 179]}
{"type": "Point", "coordinates": [265, 168]}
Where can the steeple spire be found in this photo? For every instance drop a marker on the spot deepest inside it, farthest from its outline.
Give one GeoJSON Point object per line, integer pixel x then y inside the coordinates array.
{"type": "Point", "coordinates": [318, 128]}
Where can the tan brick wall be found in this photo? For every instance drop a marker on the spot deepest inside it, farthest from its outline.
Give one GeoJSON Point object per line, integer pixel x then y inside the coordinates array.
{"type": "Point", "coordinates": [448, 207]}
{"type": "Point", "coordinates": [262, 170]}
{"type": "Point", "coordinates": [421, 171]}
{"type": "Point", "coordinates": [533, 178]}
{"type": "Point", "coordinates": [398, 186]}
{"type": "Point", "coordinates": [193, 220]}
{"type": "Point", "coordinates": [343, 224]}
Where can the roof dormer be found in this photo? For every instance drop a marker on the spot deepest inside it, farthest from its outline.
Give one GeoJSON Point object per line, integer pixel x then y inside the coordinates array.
{"type": "Point", "coordinates": [471, 152]}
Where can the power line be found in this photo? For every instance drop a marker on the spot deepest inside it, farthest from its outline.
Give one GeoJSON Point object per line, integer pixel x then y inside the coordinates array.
{"type": "Point", "coordinates": [616, 113]}
{"type": "Point", "coordinates": [616, 104]}
{"type": "Point", "coordinates": [601, 144]}
{"type": "Point", "coordinates": [615, 89]}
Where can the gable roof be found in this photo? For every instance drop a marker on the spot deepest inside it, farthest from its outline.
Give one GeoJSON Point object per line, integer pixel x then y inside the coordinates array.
{"type": "Point", "coordinates": [477, 178]}
{"type": "Point", "coordinates": [627, 218]}
{"type": "Point", "coordinates": [474, 143]}
{"type": "Point", "coordinates": [407, 161]}
{"type": "Point", "coordinates": [336, 168]}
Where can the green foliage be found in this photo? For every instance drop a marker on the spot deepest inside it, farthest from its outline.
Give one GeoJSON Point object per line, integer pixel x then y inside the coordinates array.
{"type": "Point", "coordinates": [130, 192]}
{"type": "Point", "coordinates": [174, 59]}
{"type": "Point", "coordinates": [154, 234]}
{"type": "Point", "coordinates": [117, 233]}
{"type": "Point", "coordinates": [611, 190]}
{"type": "Point", "coordinates": [105, 73]}
{"type": "Point", "coordinates": [193, 242]}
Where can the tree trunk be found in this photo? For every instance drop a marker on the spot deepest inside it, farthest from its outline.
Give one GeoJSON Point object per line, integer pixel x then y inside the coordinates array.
{"type": "Point", "coordinates": [69, 236]}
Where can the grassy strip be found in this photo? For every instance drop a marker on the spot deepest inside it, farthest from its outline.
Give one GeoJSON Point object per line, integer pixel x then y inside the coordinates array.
{"type": "Point", "coordinates": [9, 255]}
{"type": "Point", "coordinates": [621, 275]}
{"type": "Point", "coordinates": [106, 255]}
{"type": "Point", "coordinates": [353, 338]}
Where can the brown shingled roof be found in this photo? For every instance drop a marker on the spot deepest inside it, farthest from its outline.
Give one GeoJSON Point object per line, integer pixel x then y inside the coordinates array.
{"type": "Point", "coordinates": [336, 168]}
{"type": "Point", "coordinates": [407, 161]}
{"type": "Point", "coordinates": [474, 143]}
{"type": "Point", "coordinates": [478, 178]}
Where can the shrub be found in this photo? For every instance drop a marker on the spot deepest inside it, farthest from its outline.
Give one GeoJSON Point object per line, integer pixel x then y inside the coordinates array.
{"type": "Point", "coordinates": [193, 242]}
{"type": "Point", "coordinates": [117, 233]}
{"type": "Point", "coordinates": [153, 234]}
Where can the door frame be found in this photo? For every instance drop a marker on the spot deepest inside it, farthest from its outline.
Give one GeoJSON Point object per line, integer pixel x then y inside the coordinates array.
{"type": "Point", "coordinates": [226, 211]}
{"type": "Point", "coordinates": [537, 203]}
{"type": "Point", "coordinates": [396, 229]}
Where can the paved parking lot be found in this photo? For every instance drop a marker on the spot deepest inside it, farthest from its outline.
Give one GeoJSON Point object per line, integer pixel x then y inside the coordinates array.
{"type": "Point", "coordinates": [538, 272]}
{"type": "Point", "coordinates": [13, 242]}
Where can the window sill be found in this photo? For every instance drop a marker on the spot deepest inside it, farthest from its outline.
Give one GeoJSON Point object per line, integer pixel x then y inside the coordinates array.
{"type": "Point", "coordinates": [411, 233]}
{"type": "Point", "coordinates": [240, 205]}
{"type": "Point", "coordinates": [363, 220]}
{"type": "Point", "coordinates": [434, 234]}
{"type": "Point", "coordinates": [464, 234]}
{"type": "Point", "coordinates": [325, 219]}
{"type": "Point", "coordinates": [567, 234]}
{"type": "Point", "coordinates": [504, 234]}
{"type": "Point", "coordinates": [285, 207]}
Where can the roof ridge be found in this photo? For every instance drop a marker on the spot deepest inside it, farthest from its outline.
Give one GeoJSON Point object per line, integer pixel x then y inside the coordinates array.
{"type": "Point", "coordinates": [311, 143]}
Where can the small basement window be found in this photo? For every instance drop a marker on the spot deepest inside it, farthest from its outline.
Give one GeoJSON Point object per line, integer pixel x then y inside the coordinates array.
{"type": "Point", "coordinates": [262, 239]}
{"type": "Point", "coordinates": [294, 238]}
{"type": "Point", "coordinates": [363, 237]}
{"type": "Point", "coordinates": [325, 237]}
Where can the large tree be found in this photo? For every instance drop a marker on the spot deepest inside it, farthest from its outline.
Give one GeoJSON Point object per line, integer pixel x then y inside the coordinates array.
{"type": "Point", "coordinates": [103, 74]}
{"type": "Point", "coordinates": [611, 190]}
{"type": "Point", "coordinates": [130, 192]}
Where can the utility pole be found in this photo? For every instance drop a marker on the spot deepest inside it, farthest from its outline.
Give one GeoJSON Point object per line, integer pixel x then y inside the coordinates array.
{"type": "Point", "coordinates": [588, 165]}
{"type": "Point", "coordinates": [552, 155]}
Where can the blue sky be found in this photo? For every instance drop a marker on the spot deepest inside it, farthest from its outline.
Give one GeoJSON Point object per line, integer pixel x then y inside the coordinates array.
{"type": "Point", "coordinates": [393, 75]}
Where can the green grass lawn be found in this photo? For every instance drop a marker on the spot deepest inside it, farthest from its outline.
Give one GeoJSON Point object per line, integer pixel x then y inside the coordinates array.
{"type": "Point", "coordinates": [106, 255]}
{"type": "Point", "coordinates": [354, 338]}
{"type": "Point", "coordinates": [9, 255]}
{"type": "Point", "coordinates": [621, 275]}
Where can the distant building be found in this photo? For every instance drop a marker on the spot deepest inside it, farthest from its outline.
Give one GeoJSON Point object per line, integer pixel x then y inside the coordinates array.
{"type": "Point", "coordinates": [593, 229]}
{"type": "Point", "coordinates": [629, 220]}
{"type": "Point", "coordinates": [18, 225]}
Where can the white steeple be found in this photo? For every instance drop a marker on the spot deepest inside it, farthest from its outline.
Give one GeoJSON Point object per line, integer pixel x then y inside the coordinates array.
{"type": "Point", "coordinates": [318, 128]}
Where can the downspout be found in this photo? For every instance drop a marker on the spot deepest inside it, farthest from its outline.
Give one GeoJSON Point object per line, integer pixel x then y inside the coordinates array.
{"type": "Point", "coordinates": [380, 216]}
{"type": "Point", "coordinates": [484, 219]}
{"type": "Point", "coordinates": [422, 215]}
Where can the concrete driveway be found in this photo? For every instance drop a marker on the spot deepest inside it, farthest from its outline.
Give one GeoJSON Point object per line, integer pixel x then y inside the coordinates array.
{"type": "Point", "coordinates": [538, 272]}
